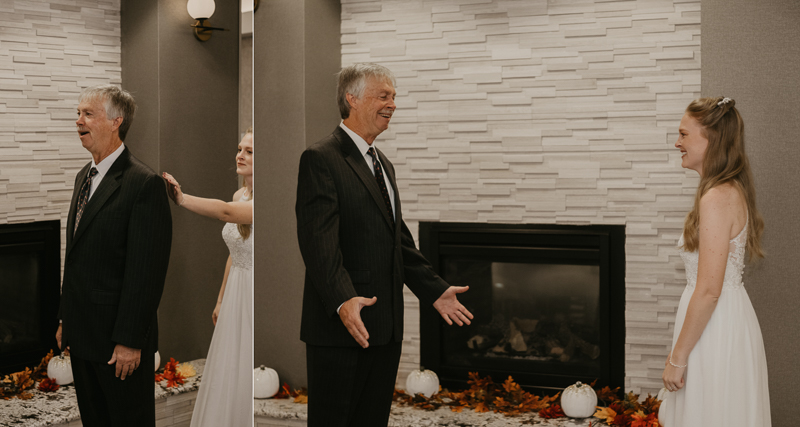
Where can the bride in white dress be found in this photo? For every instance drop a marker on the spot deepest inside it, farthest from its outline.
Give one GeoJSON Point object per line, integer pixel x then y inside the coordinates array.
{"type": "Point", "coordinates": [225, 398]}
{"type": "Point", "coordinates": [716, 373]}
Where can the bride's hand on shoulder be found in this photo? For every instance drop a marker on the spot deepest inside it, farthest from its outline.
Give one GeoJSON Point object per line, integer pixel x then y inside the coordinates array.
{"type": "Point", "coordinates": [173, 189]}
{"type": "Point", "coordinates": [215, 314]}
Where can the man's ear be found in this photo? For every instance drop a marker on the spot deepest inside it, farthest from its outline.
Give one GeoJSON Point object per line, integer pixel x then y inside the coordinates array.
{"type": "Point", "coordinates": [116, 123]}
{"type": "Point", "coordinates": [352, 100]}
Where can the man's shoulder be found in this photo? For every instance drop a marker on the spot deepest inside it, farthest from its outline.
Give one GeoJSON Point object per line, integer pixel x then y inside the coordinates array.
{"type": "Point", "coordinates": [329, 142]}
{"type": "Point", "coordinates": [137, 167]}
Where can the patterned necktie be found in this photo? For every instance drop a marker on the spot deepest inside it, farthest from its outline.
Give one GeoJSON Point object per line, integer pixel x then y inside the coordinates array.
{"type": "Point", "coordinates": [381, 182]}
{"type": "Point", "coordinates": [84, 197]}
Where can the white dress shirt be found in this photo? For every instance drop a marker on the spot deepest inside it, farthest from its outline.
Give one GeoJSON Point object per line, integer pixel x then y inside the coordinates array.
{"type": "Point", "coordinates": [103, 167]}
{"type": "Point", "coordinates": [363, 147]}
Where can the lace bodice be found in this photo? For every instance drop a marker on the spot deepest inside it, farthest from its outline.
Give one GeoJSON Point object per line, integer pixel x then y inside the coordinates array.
{"type": "Point", "coordinates": [241, 250]}
{"type": "Point", "coordinates": [733, 270]}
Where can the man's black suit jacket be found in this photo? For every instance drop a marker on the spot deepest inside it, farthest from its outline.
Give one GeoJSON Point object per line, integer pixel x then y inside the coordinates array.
{"type": "Point", "coordinates": [350, 247]}
{"type": "Point", "coordinates": [116, 262]}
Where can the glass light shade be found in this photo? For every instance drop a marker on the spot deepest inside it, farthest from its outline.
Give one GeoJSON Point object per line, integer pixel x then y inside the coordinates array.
{"type": "Point", "coordinates": [200, 9]}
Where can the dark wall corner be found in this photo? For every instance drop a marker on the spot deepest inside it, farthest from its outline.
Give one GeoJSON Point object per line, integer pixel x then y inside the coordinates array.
{"type": "Point", "coordinates": [186, 124]}
{"type": "Point", "coordinates": [297, 51]}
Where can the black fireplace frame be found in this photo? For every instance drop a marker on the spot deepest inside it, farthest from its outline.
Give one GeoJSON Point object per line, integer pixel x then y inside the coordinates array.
{"type": "Point", "coordinates": [546, 242]}
{"type": "Point", "coordinates": [44, 239]}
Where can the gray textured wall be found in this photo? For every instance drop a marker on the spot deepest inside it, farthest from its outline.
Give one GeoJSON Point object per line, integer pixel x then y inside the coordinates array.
{"type": "Point", "coordinates": [751, 53]}
{"type": "Point", "coordinates": [49, 53]}
{"type": "Point", "coordinates": [187, 124]}
{"type": "Point", "coordinates": [296, 54]}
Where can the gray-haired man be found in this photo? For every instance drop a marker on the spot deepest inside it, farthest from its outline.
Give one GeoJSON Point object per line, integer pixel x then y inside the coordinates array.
{"type": "Point", "coordinates": [119, 232]}
{"type": "Point", "coordinates": [358, 253]}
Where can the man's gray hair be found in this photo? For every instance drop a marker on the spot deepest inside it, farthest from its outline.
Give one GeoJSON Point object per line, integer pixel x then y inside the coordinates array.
{"type": "Point", "coordinates": [353, 80]}
{"type": "Point", "coordinates": [118, 103]}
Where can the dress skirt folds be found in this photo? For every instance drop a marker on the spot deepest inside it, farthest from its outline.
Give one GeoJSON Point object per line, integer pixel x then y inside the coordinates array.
{"type": "Point", "coordinates": [225, 398]}
{"type": "Point", "coordinates": [726, 376]}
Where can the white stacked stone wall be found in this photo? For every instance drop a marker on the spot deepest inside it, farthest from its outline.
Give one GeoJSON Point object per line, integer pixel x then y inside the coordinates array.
{"type": "Point", "coordinates": [49, 52]}
{"type": "Point", "coordinates": [549, 112]}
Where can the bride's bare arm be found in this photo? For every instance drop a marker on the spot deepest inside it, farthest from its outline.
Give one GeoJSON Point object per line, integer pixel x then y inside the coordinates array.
{"type": "Point", "coordinates": [235, 212]}
{"type": "Point", "coordinates": [718, 215]}
{"type": "Point", "coordinates": [215, 314]}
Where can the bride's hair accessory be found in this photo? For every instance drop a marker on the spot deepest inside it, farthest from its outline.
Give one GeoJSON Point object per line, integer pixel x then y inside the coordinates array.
{"type": "Point", "coordinates": [677, 366]}
{"type": "Point", "coordinates": [724, 101]}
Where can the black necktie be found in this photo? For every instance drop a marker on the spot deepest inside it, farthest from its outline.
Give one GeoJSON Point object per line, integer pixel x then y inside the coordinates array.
{"type": "Point", "coordinates": [84, 197]}
{"type": "Point", "coordinates": [381, 182]}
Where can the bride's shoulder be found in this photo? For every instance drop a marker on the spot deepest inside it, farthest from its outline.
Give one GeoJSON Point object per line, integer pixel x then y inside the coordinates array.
{"type": "Point", "coordinates": [723, 200]}
{"type": "Point", "coordinates": [238, 194]}
{"type": "Point", "coordinates": [722, 194]}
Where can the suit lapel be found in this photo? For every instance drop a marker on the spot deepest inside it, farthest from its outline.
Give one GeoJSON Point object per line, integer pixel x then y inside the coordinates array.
{"type": "Point", "coordinates": [108, 186]}
{"type": "Point", "coordinates": [356, 161]}
{"type": "Point", "coordinates": [73, 205]}
{"type": "Point", "coordinates": [389, 171]}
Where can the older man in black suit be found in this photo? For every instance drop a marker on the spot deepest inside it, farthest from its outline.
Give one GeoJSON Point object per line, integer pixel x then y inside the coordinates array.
{"type": "Point", "coordinates": [119, 232]}
{"type": "Point", "coordinates": [358, 253]}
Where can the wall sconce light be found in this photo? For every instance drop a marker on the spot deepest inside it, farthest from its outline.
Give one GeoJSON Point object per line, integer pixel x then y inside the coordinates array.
{"type": "Point", "coordinates": [201, 10]}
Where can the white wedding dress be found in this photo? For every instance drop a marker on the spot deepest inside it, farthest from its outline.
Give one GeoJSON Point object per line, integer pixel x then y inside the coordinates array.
{"type": "Point", "coordinates": [726, 376]}
{"type": "Point", "coordinates": [225, 398]}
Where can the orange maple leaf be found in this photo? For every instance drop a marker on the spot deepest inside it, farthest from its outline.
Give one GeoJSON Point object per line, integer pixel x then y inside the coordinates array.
{"type": "Point", "coordinates": [510, 386]}
{"type": "Point", "coordinates": [605, 414]}
{"type": "Point", "coordinates": [481, 407]}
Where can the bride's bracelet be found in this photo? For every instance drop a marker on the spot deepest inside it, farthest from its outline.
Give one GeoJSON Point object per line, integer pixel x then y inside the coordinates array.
{"type": "Point", "coordinates": [677, 366]}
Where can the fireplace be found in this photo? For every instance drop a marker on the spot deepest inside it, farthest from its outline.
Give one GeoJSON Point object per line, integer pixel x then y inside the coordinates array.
{"type": "Point", "coordinates": [30, 267]}
{"type": "Point", "coordinates": [548, 300]}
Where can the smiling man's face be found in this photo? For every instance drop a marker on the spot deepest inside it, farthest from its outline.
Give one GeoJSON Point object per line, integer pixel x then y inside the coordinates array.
{"type": "Point", "coordinates": [95, 129]}
{"type": "Point", "coordinates": [373, 111]}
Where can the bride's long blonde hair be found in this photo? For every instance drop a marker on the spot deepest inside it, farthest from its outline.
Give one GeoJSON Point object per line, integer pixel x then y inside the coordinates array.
{"type": "Point", "coordinates": [725, 162]}
{"type": "Point", "coordinates": [245, 229]}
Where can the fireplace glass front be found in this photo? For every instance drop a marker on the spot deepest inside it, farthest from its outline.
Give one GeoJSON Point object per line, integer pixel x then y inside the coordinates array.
{"type": "Point", "coordinates": [548, 303]}
{"type": "Point", "coordinates": [542, 313]}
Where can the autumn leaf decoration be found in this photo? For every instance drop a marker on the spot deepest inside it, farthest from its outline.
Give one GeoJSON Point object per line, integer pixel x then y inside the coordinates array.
{"type": "Point", "coordinates": [16, 384]}
{"type": "Point", "coordinates": [628, 411]}
{"type": "Point", "coordinates": [171, 374]}
{"type": "Point", "coordinates": [554, 411]}
{"type": "Point", "coordinates": [40, 372]}
{"type": "Point", "coordinates": [484, 395]}
{"type": "Point", "coordinates": [286, 392]}
{"type": "Point", "coordinates": [508, 398]}
{"type": "Point", "coordinates": [47, 385]}
{"type": "Point", "coordinates": [605, 414]}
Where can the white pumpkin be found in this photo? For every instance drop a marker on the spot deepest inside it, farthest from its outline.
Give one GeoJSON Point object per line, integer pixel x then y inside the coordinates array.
{"type": "Point", "coordinates": [265, 382]}
{"type": "Point", "coordinates": [60, 369]}
{"type": "Point", "coordinates": [422, 382]}
{"type": "Point", "coordinates": [158, 361]}
{"type": "Point", "coordinates": [578, 401]}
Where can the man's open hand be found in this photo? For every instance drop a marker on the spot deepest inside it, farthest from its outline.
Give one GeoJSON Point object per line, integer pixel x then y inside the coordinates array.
{"type": "Point", "coordinates": [451, 310]}
{"type": "Point", "coordinates": [350, 313]}
{"type": "Point", "coordinates": [127, 360]}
